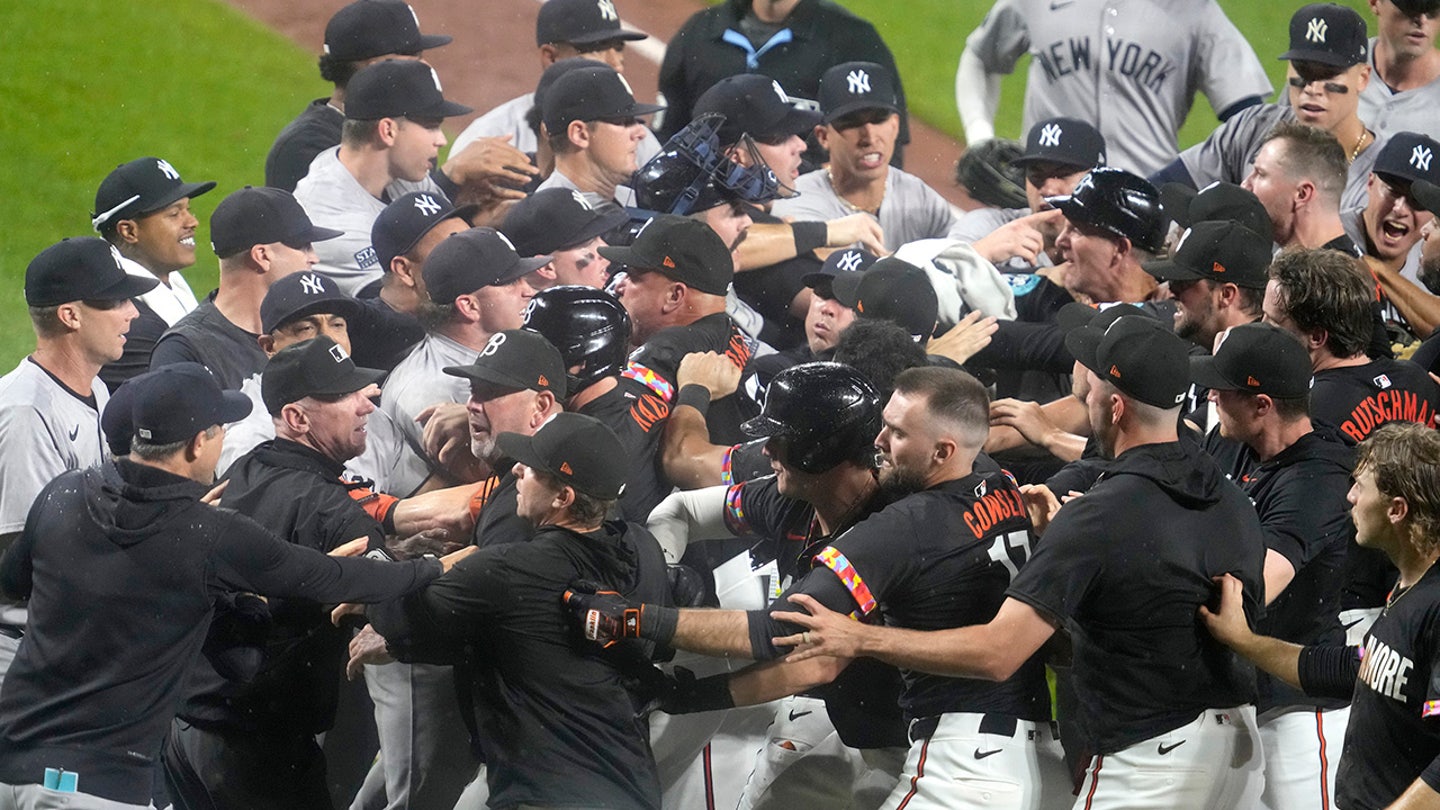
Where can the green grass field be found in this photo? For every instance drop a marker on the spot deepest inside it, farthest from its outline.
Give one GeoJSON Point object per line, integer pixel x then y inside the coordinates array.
{"type": "Point", "coordinates": [89, 84]}
{"type": "Point", "coordinates": [927, 36]}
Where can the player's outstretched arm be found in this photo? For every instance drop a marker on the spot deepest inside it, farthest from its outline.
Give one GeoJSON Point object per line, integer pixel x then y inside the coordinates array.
{"type": "Point", "coordinates": [1419, 796]}
{"type": "Point", "coordinates": [1229, 625]}
{"type": "Point", "coordinates": [991, 651]}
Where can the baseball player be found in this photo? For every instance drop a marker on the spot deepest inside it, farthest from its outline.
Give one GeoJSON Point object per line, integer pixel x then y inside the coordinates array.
{"type": "Point", "coordinates": [563, 29]}
{"type": "Point", "coordinates": [595, 131]}
{"type": "Point", "coordinates": [940, 556]}
{"type": "Point", "coordinates": [397, 108]}
{"type": "Point", "coordinates": [861, 110]}
{"type": "Point", "coordinates": [359, 34]}
{"type": "Point", "coordinates": [1392, 752]}
{"type": "Point", "coordinates": [1129, 68]}
{"type": "Point", "coordinates": [80, 307]}
{"type": "Point", "coordinates": [562, 224]}
{"type": "Point", "coordinates": [1155, 697]}
{"type": "Point", "coordinates": [1327, 73]}
{"type": "Point", "coordinates": [1405, 67]}
{"type": "Point", "coordinates": [1296, 473]}
{"type": "Point", "coordinates": [1299, 176]}
{"type": "Point", "coordinates": [143, 209]}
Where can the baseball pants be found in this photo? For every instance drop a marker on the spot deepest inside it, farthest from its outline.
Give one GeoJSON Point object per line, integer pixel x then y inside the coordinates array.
{"type": "Point", "coordinates": [1214, 762]}
{"type": "Point", "coordinates": [805, 764]}
{"type": "Point", "coordinates": [1302, 751]}
{"type": "Point", "coordinates": [36, 797]}
{"type": "Point", "coordinates": [424, 745]}
{"type": "Point", "coordinates": [982, 761]}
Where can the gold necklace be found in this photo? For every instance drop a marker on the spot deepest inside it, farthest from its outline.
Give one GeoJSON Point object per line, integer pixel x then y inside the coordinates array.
{"type": "Point", "coordinates": [1397, 596]}
{"type": "Point", "coordinates": [852, 206]}
{"type": "Point", "coordinates": [1354, 153]}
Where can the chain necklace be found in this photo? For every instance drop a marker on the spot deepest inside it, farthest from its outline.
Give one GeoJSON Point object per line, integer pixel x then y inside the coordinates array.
{"type": "Point", "coordinates": [1399, 593]}
{"type": "Point", "coordinates": [853, 207]}
{"type": "Point", "coordinates": [1359, 142]}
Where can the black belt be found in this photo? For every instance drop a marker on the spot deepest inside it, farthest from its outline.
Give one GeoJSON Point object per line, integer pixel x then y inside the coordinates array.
{"type": "Point", "coordinates": [1001, 724]}
{"type": "Point", "coordinates": [14, 631]}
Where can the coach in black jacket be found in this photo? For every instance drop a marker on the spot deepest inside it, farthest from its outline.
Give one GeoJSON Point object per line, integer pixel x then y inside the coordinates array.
{"type": "Point", "coordinates": [121, 565]}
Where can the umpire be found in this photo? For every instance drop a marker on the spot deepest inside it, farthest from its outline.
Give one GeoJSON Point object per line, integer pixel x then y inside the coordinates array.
{"type": "Point", "coordinates": [556, 722]}
{"type": "Point", "coordinates": [121, 570]}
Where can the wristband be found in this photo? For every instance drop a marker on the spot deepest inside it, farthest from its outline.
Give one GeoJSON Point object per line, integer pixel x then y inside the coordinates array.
{"type": "Point", "coordinates": [809, 235]}
{"type": "Point", "coordinates": [658, 622]}
{"type": "Point", "coordinates": [698, 694]}
{"type": "Point", "coordinates": [696, 396]}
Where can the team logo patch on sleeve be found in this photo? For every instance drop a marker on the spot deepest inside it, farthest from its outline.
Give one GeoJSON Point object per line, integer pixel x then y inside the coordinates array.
{"type": "Point", "coordinates": [833, 559]}
{"type": "Point", "coordinates": [648, 378]}
{"type": "Point", "coordinates": [735, 510]}
{"type": "Point", "coordinates": [1430, 709]}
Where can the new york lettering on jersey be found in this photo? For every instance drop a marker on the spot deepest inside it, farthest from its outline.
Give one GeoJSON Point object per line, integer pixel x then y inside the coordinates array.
{"type": "Point", "coordinates": [1120, 57]}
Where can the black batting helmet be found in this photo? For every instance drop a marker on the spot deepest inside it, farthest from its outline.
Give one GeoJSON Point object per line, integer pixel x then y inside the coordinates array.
{"type": "Point", "coordinates": [827, 412]}
{"type": "Point", "coordinates": [589, 327]}
{"type": "Point", "coordinates": [1120, 202]}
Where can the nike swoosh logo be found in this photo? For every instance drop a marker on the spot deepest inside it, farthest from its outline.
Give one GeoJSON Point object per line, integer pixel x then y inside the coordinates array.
{"type": "Point", "coordinates": [1164, 749]}
{"type": "Point", "coordinates": [75, 431]}
{"type": "Point", "coordinates": [794, 715]}
{"type": "Point", "coordinates": [1056, 5]}
{"type": "Point", "coordinates": [983, 754]}
{"type": "Point", "coordinates": [1345, 626]}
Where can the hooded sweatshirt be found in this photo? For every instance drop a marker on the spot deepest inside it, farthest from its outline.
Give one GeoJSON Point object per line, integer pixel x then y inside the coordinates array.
{"type": "Point", "coordinates": [122, 565]}
{"type": "Point", "coordinates": [1125, 568]}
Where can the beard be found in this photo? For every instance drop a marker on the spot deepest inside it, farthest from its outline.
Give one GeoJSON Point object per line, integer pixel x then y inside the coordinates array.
{"type": "Point", "coordinates": [900, 481]}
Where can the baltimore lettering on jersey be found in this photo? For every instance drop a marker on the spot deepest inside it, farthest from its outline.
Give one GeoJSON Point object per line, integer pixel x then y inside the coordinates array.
{"type": "Point", "coordinates": [1385, 670]}
{"type": "Point", "coordinates": [1074, 55]}
{"type": "Point", "coordinates": [1390, 405]}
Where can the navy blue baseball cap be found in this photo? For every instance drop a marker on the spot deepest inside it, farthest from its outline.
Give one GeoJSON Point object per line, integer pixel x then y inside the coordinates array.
{"type": "Point", "coordinates": [142, 186]}
{"type": "Point", "coordinates": [1328, 34]}
{"type": "Point", "coordinates": [554, 219]}
{"type": "Point", "coordinates": [840, 274]}
{"type": "Point", "coordinates": [369, 28]}
{"type": "Point", "coordinates": [590, 93]}
{"type": "Point", "coordinates": [398, 88]}
{"type": "Point", "coordinates": [261, 216]}
{"type": "Point", "coordinates": [580, 22]}
{"type": "Point", "coordinates": [480, 257]}
{"type": "Point", "coordinates": [300, 294]}
{"type": "Point", "coordinates": [405, 222]}
{"type": "Point", "coordinates": [756, 105]}
{"type": "Point", "coordinates": [86, 268]}
{"type": "Point", "coordinates": [1067, 141]}
{"type": "Point", "coordinates": [854, 86]}
{"type": "Point", "coordinates": [174, 402]}
{"type": "Point", "coordinates": [1407, 157]}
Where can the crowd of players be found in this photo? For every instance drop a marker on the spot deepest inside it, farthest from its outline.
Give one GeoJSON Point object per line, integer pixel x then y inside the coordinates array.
{"type": "Point", "coordinates": [600, 468]}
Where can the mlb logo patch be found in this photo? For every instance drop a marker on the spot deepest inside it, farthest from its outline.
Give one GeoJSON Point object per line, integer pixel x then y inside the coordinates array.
{"type": "Point", "coordinates": [1383, 381]}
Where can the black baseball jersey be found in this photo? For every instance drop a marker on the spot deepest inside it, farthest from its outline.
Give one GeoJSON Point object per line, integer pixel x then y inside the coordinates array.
{"type": "Point", "coordinates": [1125, 568]}
{"type": "Point", "coordinates": [864, 701]}
{"type": "Point", "coordinates": [1358, 399]}
{"type": "Point", "coordinates": [1394, 732]}
{"type": "Point", "coordinates": [314, 130]}
{"type": "Point", "coordinates": [934, 560]}
{"type": "Point", "coordinates": [497, 522]}
{"type": "Point", "coordinates": [630, 409]}
{"type": "Point", "coordinates": [207, 337]}
{"type": "Point", "coordinates": [1300, 497]}
{"type": "Point", "coordinates": [655, 363]}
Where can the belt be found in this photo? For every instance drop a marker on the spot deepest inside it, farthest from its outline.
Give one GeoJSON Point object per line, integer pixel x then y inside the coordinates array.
{"type": "Point", "coordinates": [1001, 724]}
{"type": "Point", "coordinates": [12, 631]}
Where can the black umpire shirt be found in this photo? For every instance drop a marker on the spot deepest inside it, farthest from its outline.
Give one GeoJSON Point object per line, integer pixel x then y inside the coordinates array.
{"type": "Point", "coordinates": [1125, 569]}
{"type": "Point", "coordinates": [122, 565]}
{"type": "Point", "coordinates": [655, 364]}
{"type": "Point", "coordinates": [556, 722]}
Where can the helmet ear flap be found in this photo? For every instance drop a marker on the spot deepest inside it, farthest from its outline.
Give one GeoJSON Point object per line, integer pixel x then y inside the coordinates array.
{"type": "Point", "coordinates": [589, 327]}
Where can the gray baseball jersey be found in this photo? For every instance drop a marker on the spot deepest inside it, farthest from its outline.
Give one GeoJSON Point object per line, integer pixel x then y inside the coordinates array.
{"type": "Point", "coordinates": [416, 383]}
{"type": "Point", "coordinates": [333, 198]}
{"type": "Point", "coordinates": [509, 119]}
{"type": "Point", "coordinates": [1416, 110]}
{"type": "Point", "coordinates": [45, 429]}
{"type": "Point", "coordinates": [623, 194]}
{"type": "Point", "coordinates": [1130, 67]}
{"type": "Point", "coordinates": [910, 210]}
{"type": "Point", "coordinates": [1230, 150]}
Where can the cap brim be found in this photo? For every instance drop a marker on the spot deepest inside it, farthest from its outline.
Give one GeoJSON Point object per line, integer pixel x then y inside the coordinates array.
{"type": "Point", "coordinates": [604, 36]}
{"type": "Point", "coordinates": [1175, 199]}
{"type": "Point", "coordinates": [795, 121]}
{"type": "Point", "coordinates": [445, 109]}
{"type": "Point", "coordinates": [1427, 194]}
{"type": "Point", "coordinates": [1318, 57]}
{"type": "Point", "coordinates": [1203, 372]}
{"type": "Point", "coordinates": [428, 41]}
{"type": "Point", "coordinates": [855, 106]}
{"type": "Point", "coordinates": [234, 406]}
{"type": "Point", "coordinates": [180, 192]}
{"type": "Point", "coordinates": [638, 109]}
{"type": "Point", "coordinates": [344, 307]}
{"type": "Point", "coordinates": [1084, 345]}
{"type": "Point", "coordinates": [1169, 269]}
{"type": "Point", "coordinates": [761, 427]}
{"type": "Point", "coordinates": [607, 221]}
{"type": "Point", "coordinates": [1036, 157]}
{"type": "Point", "coordinates": [352, 382]}
{"type": "Point", "coordinates": [1074, 315]}
{"type": "Point", "coordinates": [845, 288]}
{"type": "Point", "coordinates": [626, 255]}
{"type": "Point", "coordinates": [478, 373]}
{"type": "Point", "coordinates": [319, 234]}
{"type": "Point", "coordinates": [812, 279]}
{"type": "Point", "coordinates": [522, 268]}
{"type": "Point", "coordinates": [520, 448]}
{"type": "Point", "coordinates": [128, 287]}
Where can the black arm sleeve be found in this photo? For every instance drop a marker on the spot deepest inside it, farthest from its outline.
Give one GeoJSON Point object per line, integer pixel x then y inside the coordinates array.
{"type": "Point", "coordinates": [1175, 172]}
{"type": "Point", "coordinates": [1026, 346]}
{"type": "Point", "coordinates": [820, 584]}
{"type": "Point", "coordinates": [1248, 101]}
{"type": "Point", "coordinates": [1328, 671]}
{"type": "Point", "coordinates": [429, 625]}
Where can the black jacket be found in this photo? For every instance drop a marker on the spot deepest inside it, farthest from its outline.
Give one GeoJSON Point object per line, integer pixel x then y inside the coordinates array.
{"type": "Point", "coordinates": [556, 721]}
{"type": "Point", "coordinates": [121, 565]}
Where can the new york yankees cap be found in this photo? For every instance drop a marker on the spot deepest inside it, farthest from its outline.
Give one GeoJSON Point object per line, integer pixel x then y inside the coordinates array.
{"type": "Point", "coordinates": [85, 268]}
{"type": "Point", "coordinates": [590, 93]}
{"type": "Point", "coordinates": [176, 401]}
{"type": "Point", "coordinates": [315, 367]}
{"type": "Point", "coordinates": [680, 248]}
{"type": "Point", "coordinates": [1258, 358]}
{"type": "Point", "coordinates": [369, 28]}
{"type": "Point", "coordinates": [554, 219]}
{"type": "Point", "coordinates": [580, 22]}
{"type": "Point", "coordinates": [142, 186]}
{"type": "Point", "coordinates": [1139, 356]}
{"type": "Point", "coordinates": [757, 105]}
{"type": "Point", "coordinates": [1067, 141]}
{"type": "Point", "coordinates": [407, 219]}
{"type": "Point", "coordinates": [1220, 251]}
{"type": "Point", "coordinates": [516, 360]}
{"type": "Point", "coordinates": [578, 450]}
{"type": "Point", "coordinates": [899, 292]}
{"type": "Point", "coordinates": [1329, 34]}
{"type": "Point", "coordinates": [1219, 200]}
{"type": "Point", "coordinates": [853, 86]}
{"type": "Point", "coordinates": [1407, 157]}
{"type": "Point", "coordinates": [480, 257]}
{"type": "Point", "coordinates": [397, 88]}
{"type": "Point", "coordinates": [300, 294]}
{"type": "Point", "coordinates": [261, 216]}
{"type": "Point", "coordinates": [840, 275]}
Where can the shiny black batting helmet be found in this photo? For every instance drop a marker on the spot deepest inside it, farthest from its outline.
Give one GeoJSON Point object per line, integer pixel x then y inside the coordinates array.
{"type": "Point", "coordinates": [826, 412]}
{"type": "Point", "coordinates": [1120, 202]}
{"type": "Point", "coordinates": [589, 327]}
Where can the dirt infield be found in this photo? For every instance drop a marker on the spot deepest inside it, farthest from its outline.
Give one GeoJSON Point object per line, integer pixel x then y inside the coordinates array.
{"type": "Point", "coordinates": [493, 58]}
